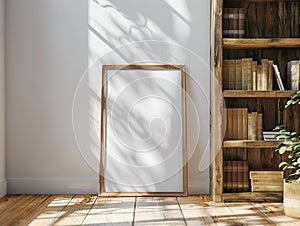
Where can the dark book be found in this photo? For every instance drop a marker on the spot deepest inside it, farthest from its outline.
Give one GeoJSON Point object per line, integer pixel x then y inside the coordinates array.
{"type": "Point", "coordinates": [225, 74]}
{"type": "Point", "coordinates": [225, 23]}
{"type": "Point", "coordinates": [245, 176]}
{"type": "Point", "coordinates": [240, 175]}
{"type": "Point", "coordinates": [241, 22]}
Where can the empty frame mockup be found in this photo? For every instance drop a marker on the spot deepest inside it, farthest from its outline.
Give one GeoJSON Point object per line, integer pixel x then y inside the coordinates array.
{"type": "Point", "coordinates": [143, 134]}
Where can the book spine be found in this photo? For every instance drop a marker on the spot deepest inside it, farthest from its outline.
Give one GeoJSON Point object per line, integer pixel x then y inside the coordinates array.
{"type": "Point", "coordinates": [259, 80]}
{"type": "Point", "coordinates": [244, 74]}
{"type": "Point", "coordinates": [240, 175]}
{"type": "Point", "coordinates": [241, 22]}
{"type": "Point", "coordinates": [259, 126]}
{"type": "Point", "coordinates": [225, 74]}
{"type": "Point", "coordinates": [231, 74]}
{"type": "Point", "coordinates": [235, 124]}
{"type": "Point", "coordinates": [238, 74]}
{"type": "Point", "coordinates": [265, 73]}
{"type": "Point", "coordinates": [249, 74]}
{"type": "Point", "coordinates": [270, 75]}
{"type": "Point", "coordinates": [225, 23]}
{"type": "Point", "coordinates": [234, 176]}
{"type": "Point", "coordinates": [254, 75]}
{"type": "Point", "coordinates": [235, 22]}
{"type": "Point", "coordinates": [278, 77]}
{"type": "Point", "coordinates": [229, 128]}
{"type": "Point", "coordinates": [295, 75]}
{"type": "Point", "coordinates": [245, 176]}
{"type": "Point", "coordinates": [225, 176]}
{"type": "Point", "coordinates": [245, 123]}
{"type": "Point", "coordinates": [254, 125]}
{"type": "Point", "coordinates": [230, 188]}
{"type": "Point", "coordinates": [250, 127]}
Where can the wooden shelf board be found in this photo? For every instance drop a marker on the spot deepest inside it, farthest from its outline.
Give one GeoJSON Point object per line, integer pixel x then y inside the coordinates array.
{"type": "Point", "coordinates": [253, 196]}
{"type": "Point", "coordinates": [249, 144]}
{"type": "Point", "coordinates": [260, 43]}
{"type": "Point", "coordinates": [257, 94]}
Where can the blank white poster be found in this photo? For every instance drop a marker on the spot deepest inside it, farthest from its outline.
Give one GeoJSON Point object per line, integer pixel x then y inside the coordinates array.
{"type": "Point", "coordinates": [144, 131]}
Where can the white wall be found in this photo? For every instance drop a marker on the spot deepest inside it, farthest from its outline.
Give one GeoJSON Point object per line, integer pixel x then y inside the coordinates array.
{"type": "Point", "coordinates": [55, 50]}
{"type": "Point", "coordinates": [2, 102]}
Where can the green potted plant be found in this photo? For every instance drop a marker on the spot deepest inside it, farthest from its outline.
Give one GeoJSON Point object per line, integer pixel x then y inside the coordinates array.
{"type": "Point", "coordinates": [291, 146]}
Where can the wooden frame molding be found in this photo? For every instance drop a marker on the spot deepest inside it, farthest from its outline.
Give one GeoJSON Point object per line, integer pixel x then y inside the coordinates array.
{"type": "Point", "coordinates": [216, 102]}
{"type": "Point", "coordinates": [105, 68]}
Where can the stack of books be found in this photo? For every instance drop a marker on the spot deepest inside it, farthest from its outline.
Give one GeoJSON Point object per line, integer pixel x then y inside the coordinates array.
{"type": "Point", "coordinates": [237, 123]}
{"type": "Point", "coordinates": [233, 22]}
{"type": "Point", "coordinates": [266, 181]}
{"type": "Point", "coordinates": [246, 74]}
{"type": "Point", "coordinates": [272, 136]}
{"type": "Point", "coordinates": [293, 75]}
{"type": "Point", "coordinates": [235, 176]}
{"type": "Point", "coordinates": [242, 125]}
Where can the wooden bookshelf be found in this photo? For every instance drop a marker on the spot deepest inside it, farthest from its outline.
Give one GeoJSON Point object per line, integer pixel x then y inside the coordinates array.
{"type": "Point", "coordinates": [249, 144]}
{"type": "Point", "coordinates": [260, 43]}
{"type": "Point", "coordinates": [271, 32]}
{"type": "Point", "coordinates": [256, 94]}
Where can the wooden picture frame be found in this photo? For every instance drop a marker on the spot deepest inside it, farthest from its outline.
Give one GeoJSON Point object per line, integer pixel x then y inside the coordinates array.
{"type": "Point", "coordinates": [103, 138]}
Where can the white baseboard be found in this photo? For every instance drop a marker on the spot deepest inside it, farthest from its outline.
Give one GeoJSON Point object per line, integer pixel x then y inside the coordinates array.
{"type": "Point", "coordinates": [3, 188]}
{"type": "Point", "coordinates": [198, 186]}
{"type": "Point", "coordinates": [52, 185]}
{"type": "Point", "coordinates": [73, 186]}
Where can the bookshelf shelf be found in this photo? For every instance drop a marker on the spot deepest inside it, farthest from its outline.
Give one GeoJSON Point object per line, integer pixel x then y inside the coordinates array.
{"type": "Point", "coordinates": [249, 144]}
{"type": "Point", "coordinates": [257, 94]}
{"type": "Point", "coordinates": [254, 196]}
{"type": "Point", "coordinates": [260, 43]}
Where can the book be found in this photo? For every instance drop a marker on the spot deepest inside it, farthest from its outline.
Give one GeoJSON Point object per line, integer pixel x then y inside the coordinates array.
{"type": "Point", "coordinates": [236, 176]}
{"type": "Point", "coordinates": [241, 12]}
{"type": "Point", "coordinates": [225, 23]}
{"type": "Point", "coordinates": [231, 74]}
{"type": "Point", "coordinates": [270, 75]}
{"type": "Point", "coordinates": [259, 134]}
{"type": "Point", "coordinates": [259, 81]}
{"type": "Point", "coordinates": [250, 128]}
{"type": "Point", "coordinates": [293, 74]}
{"type": "Point", "coordinates": [254, 75]}
{"type": "Point", "coordinates": [249, 74]}
{"type": "Point", "coordinates": [238, 74]}
{"type": "Point", "coordinates": [254, 125]}
{"type": "Point", "coordinates": [246, 72]}
{"type": "Point", "coordinates": [266, 180]}
{"type": "Point", "coordinates": [240, 174]}
{"type": "Point", "coordinates": [265, 74]}
{"type": "Point", "coordinates": [225, 74]}
{"type": "Point", "coordinates": [278, 77]}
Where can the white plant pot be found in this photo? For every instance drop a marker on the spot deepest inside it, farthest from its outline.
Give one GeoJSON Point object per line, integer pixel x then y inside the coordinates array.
{"type": "Point", "coordinates": [291, 198]}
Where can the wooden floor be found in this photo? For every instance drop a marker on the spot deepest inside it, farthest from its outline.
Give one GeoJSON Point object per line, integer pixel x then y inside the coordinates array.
{"type": "Point", "coordinates": [92, 210]}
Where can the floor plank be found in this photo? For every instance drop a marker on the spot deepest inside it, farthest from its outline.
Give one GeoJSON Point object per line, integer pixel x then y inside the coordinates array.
{"type": "Point", "coordinates": [248, 214]}
{"type": "Point", "coordinates": [158, 211]}
{"type": "Point", "coordinates": [10, 213]}
{"type": "Point", "coordinates": [29, 211]}
{"type": "Point", "coordinates": [76, 210]}
{"type": "Point", "coordinates": [274, 211]}
{"type": "Point", "coordinates": [199, 211]}
{"type": "Point", "coordinates": [52, 210]}
{"type": "Point", "coordinates": [111, 211]}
